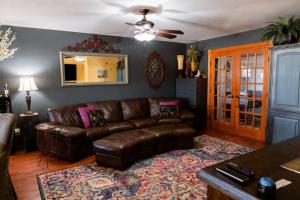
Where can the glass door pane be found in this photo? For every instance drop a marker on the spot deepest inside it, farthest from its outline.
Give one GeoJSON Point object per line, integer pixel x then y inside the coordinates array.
{"type": "Point", "coordinates": [223, 88]}
{"type": "Point", "coordinates": [251, 90]}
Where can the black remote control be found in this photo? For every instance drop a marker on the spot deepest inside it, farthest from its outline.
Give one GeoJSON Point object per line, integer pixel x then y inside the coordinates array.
{"type": "Point", "coordinates": [233, 174]}
{"type": "Point", "coordinates": [243, 170]}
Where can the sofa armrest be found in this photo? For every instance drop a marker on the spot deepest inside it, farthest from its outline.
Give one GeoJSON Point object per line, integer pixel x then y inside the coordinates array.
{"type": "Point", "coordinates": [66, 142]}
{"type": "Point", "coordinates": [66, 131]}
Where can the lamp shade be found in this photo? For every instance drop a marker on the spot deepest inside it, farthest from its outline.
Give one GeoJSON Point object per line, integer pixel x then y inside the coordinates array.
{"type": "Point", "coordinates": [180, 59]}
{"type": "Point", "coordinates": [27, 84]}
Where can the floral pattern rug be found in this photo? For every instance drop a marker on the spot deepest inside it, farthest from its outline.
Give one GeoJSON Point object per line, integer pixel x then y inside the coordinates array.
{"type": "Point", "coordinates": [171, 175]}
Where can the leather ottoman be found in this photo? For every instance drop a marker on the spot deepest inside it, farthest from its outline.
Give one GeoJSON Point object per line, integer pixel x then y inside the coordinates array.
{"type": "Point", "coordinates": [172, 136]}
{"type": "Point", "coordinates": [122, 149]}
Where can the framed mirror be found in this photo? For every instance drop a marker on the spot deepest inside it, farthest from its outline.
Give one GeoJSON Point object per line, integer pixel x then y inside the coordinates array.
{"type": "Point", "coordinates": [81, 69]}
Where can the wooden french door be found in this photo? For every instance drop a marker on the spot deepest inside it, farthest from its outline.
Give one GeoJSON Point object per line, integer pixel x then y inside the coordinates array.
{"type": "Point", "coordinates": [237, 96]}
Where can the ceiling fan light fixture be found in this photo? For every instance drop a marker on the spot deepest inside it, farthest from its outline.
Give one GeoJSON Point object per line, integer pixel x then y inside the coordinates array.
{"type": "Point", "coordinates": [144, 36]}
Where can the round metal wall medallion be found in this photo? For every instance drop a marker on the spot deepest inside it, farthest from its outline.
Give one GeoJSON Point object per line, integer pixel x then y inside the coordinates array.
{"type": "Point", "coordinates": [154, 70]}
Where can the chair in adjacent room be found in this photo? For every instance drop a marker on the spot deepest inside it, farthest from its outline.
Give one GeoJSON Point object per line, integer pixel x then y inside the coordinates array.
{"type": "Point", "coordinates": [7, 125]}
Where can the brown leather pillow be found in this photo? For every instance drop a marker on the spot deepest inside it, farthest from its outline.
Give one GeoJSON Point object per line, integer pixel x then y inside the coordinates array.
{"type": "Point", "coordinates": [97, 118]}
{"type": "Point", "coordinates": [67, 115]}
{"type": "Point", "coordinates": [135, 108]}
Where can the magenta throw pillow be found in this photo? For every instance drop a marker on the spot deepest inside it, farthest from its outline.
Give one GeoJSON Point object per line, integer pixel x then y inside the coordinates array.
{"type": "Point", "coordinates": [83, 111]}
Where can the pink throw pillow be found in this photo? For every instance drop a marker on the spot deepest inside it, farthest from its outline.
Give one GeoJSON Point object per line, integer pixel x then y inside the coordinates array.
{"type": "Point", "coordinates": [83, 111]}
{"type": "Point", "coordinates": [170, 103]}
{"type": "Point", "coordinates": [92, 107]}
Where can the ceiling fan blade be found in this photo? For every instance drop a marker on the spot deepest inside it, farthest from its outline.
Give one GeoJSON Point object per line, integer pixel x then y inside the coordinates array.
{"type": "Point", "coordinates": [166, 35]}
{"type": "Point", "coordinates": [130, 24]}
{"type": "Point", "coordinates": [171, 31]}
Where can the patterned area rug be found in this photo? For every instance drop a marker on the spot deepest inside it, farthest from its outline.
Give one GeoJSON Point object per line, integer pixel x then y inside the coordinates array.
{"type": "Point", "coordinates": [170, 175]}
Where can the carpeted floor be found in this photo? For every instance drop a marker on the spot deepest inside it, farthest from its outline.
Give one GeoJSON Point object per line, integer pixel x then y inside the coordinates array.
{"type": "Point", "coordinates": [170, 175]}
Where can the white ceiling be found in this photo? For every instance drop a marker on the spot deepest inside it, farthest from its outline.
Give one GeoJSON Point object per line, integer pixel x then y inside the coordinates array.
{"type": "Point", "coordinates": [199, 19]}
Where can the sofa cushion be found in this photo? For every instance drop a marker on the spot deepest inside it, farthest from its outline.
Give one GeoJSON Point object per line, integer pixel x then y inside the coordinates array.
{"type": "Point", "coordinates": [94, 133]}
{"type": "Point", "coordinates": [184, 131]}
{"type": "Point", "coordinates": [67, 115]}
{"type": "Point", "coordinates": [161, 131]}
{"type": "Point", "coordinates": [118, 144]}
{"type": "Point", "coordinates": [171, 130]}
{"type": "Point", "coordinates": [118, 126]}
{"type": "Point", "coordinates": [135, 108]}
{"type": "Point", "coordinates": [169, 121]}
{"type": "Point", "coordinates": [112, 110]}
{"type": "Point", "coordinates": [187, 115]}
{"type": "Point", "coordinates": [144, 122]}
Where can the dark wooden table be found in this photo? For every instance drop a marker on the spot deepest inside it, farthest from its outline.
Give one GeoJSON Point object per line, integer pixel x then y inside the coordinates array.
{"type": "Point", "coordinates": [27, 123]}
{"type": "Point", "coordinates": [5, 105]}
{"type": "Point", "coordinates": [264, 162]}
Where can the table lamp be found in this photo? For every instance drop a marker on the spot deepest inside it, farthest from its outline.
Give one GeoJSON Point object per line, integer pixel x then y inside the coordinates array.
{"type": "Point", "coordinates": [27, 84]}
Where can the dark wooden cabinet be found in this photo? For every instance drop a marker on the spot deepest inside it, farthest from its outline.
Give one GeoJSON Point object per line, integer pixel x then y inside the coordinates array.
{"type": "Point", "coordinates": [195, 90]}
{"type": "Point", "coordinates": [5, 105]}
{"type": "Point", "coordinates": [284, 93]}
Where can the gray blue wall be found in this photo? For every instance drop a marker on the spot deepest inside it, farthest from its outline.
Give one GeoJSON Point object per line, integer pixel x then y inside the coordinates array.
{"type": "Point", "coordinates": [38, 55]}
{"type": "Point", "coordinates": [226, 41]}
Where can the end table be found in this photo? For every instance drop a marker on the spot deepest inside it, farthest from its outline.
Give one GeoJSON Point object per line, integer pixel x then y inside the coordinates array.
{"type": "Point", "coordinates": [53, 134]}
{"type": "Point", "coordinates": [27, 123]}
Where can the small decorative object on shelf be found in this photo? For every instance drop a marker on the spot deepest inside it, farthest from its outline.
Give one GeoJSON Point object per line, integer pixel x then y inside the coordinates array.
{"type": "Point", "coordinates": [6, 91]}
{"type": "Point", "coordinates": [193, 57]}
{"type": "Point", "coordinates": [154, 70]}
{"type": "Point", "coordinates": [27, 84]}
{"type": "Point", "coordinates": [204, 75]}
{"type": "Point", "coordinates": [198, 74]}
{"type": "Point", "coordinates": [94, 44]}
{"type": "Point", "coordinates": [180, 61]}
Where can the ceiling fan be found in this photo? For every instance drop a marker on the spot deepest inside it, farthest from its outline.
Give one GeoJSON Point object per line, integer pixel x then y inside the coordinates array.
{"type": "Point", "coordinates": [146, 32]}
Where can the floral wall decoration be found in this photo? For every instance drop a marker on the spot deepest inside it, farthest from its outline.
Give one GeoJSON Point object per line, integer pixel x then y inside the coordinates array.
{"type": "Point", "coordinates": [94, 44]}
{"type": "Point", "coordinates": [6, 39]}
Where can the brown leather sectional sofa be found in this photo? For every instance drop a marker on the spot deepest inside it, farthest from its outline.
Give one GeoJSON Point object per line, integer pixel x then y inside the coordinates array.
{"type": "Point", "coordinates": [133, 129]}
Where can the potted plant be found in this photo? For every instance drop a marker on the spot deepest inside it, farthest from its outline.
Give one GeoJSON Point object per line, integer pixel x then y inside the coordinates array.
{"type": "Point", "coordinates": [193, 57]}
{"type": "Point", "coordinates": [285, 31]}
